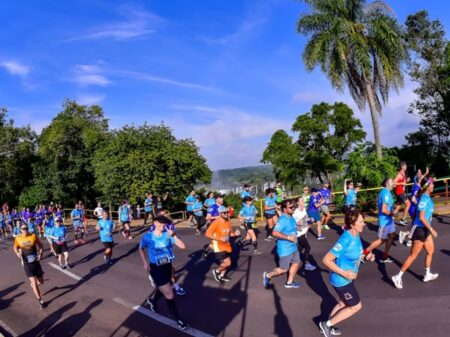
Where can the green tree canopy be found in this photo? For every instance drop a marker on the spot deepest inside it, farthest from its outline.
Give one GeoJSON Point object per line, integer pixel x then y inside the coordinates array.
{"type": "Point", "coordinates": [357, 46]}
{"type": "Point", "coordinates": [147, 158]}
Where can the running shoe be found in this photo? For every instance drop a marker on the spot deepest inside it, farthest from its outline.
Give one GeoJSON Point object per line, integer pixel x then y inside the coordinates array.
{"type": "Point", "coordinates": [403, 222]}
{"type": "Point", "coordinates": [325, 227]}
{"type": "Point", "coordinates": [180, 291]}
{"type": "Point", "coordinates": [67, 266]}
{"type": "Point", "coordinates": [191, 225]}
{"type": "Point", "coordinates": [266, 280]}
{"type": "Point", "coordinates": [430, 277]}
{"type": "Point", "coordinates": [62, 267]}
{"type": "Point", "coordinates": [310, 267]}
{"type": "Point", "coordinates": [41, 304]}
{"type": "Point", "coordinates": [386, 260]}
{"type": "Point", "coordinates": [321, 237]}
{"type": "Point", "coordinates": [198, 233]}
{"type": "Point", "coordinates": [131, 237]}
{"type": "Point", "coordinates": [401, 236]}
{"type": "Point", "coordinates": [335, 331]}
{"type": "Point", "coordinates": [409, 243]}
{"type": "Point", "coordinates": [398, 283]}
{"type": "Point", "coordinates": [109, 262]}
{"type": "Point", "coordinates": [225, 278]}
{"type": "Point", "coordinates": [182, 325]}
{"type": "Point", "coordinates": [269, 238]}
{"type": "Point", "coordinates": [326, 330]}
{"type": "Point", "coordinates": [256, 252]}
{"type": "Point", "coordinates": [292, 285]}
{"type": "Point", "coordinates": [76, 242]}
{"type": "Point", "coordinates": [82, 241]}
{"type": "Point", "coordinates": [151, 304]}
{"type": "Point", "coordinates": [216, 275]}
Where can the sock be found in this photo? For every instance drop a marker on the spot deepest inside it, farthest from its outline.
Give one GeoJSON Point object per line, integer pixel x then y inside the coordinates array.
{"type": "Point", "coordinates": [176, 286]}
{"type": "Point", "coordinates": [255, 245]}
{"type": "Point", "coordinates": [173, 308]}
{"type": "Point", "coordinates": [400, 273]}
{"type": "Point", "coordinates": [427, 271]}
{"type": "Point", "coordinates": [329, 323]}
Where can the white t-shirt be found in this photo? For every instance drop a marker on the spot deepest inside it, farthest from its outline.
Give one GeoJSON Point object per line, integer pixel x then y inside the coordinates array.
{"type": "Point", "coordinates": [301, 215]}
{"type": "Point", "coordinates": [98, 212]}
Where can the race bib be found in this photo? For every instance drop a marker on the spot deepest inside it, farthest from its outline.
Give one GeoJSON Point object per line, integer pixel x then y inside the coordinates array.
{"type": "Point", "coordinates": [31, 258]}
{"type": "Point", "coordinates": [163, 260]}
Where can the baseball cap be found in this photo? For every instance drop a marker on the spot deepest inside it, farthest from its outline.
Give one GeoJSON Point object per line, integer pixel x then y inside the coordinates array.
{"type": "Point", "coordinates": [222, 209]}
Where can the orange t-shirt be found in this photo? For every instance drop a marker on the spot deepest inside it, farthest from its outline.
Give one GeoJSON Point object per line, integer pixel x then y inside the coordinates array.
{"type": "Point", "coordinates": [220, 228]}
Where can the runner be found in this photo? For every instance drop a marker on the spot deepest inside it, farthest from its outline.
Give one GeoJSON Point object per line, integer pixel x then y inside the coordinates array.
{"type": "Point", "coordinates": [219, 232]}
{"type": "Point", "coordinates": [285, 231]}
{"type": "Point", "coordinates": [159, 204]}
{"type": "Point", "coordinates": [279, 192]}
{"type": "Point", "coordinates": [350, 193]}
{"type": "Point", "coordinates": [98, 211]}
{"type": "Point", "coordinates": [190, 200]}
{"type": "Point", "coordinates": [3, 232]}
{"type": "Point", "coordinates": [158, 262]}
{"type": "Point", "coordinates": [26, 248]}
{"type": "Point", "coordinates": [83, 218]}
{"type": "Point", "coordinates": [270, 212]}
{"type": "Point", "coordinates": [58, 236]}
{"type": "Point", "coordinates": [315, 202]}
{"type": "Point", "coordinates": [148, 207]}
{"type": "Point", "coordinates": [301, 218]}
{"type": "Point", "coordinates": [246, 192]}
{"type": "Point", "coordinates": [247, 216]}
{"type": "Point", "coordinates": [39, 214]}
{"type": "Point", "coordinates": [306, 197]}
{"type": "Point", "coordinates": [125, 219]}
{"type": "Point", "coordinates": [49, 223]}
{"type": "Point", "coordinates": [210, 200]}
{"type": "Point", "coordinates": [343, 260]}
{"type": "Point", "coordinates": [105, 227]}
{"type": "Point", "coordinates": [325, 192]}
{"type": "Point", "coordinates": [421, 237]}
{"type": "Point", "coordinates": [400, 183]}
{"type": "Point", "coordinates": [77, 221]}
{"type": "Point", "coordinates": [210, 218]}
{"type": "Point", "coordinates": [197, 208]}
{"type": "Point", "coordinates": [386, 229]}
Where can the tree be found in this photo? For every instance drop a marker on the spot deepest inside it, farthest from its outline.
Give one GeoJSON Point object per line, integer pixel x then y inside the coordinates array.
{"type": "Point", "coordinates": [17, 155]}
{"type": "Point", "coordinates": [283, 154]}
{"type": "Point", "coordinates": [356, 45]}
{"type": "Point", "coordinates": [64, 172]}
{"type": "Point", "coordinates": [429, 66]}
{"type": "Point", "coordinates": [326, 134]}
{"type": "Point", "coordinates": [147, 158]}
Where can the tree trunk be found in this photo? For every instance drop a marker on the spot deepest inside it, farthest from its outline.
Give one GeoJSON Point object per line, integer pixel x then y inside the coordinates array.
{"type": "Point", "coordinates": [374, 115]}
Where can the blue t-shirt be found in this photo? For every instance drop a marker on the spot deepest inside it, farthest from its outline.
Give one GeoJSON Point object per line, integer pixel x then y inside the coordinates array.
{"type": "Point", "coordinates": [159, 248]}
{"type": "Point", "coordinates": [248, 212]}
{"type": "Point", "coordinates": [77, 213]}
{"type": "Point", "coordinates": [190, 199]}
{"type": "Point", "coordinates": [16, 231]}
{"type": "Point", "coordinates": [106, 228]}
{"type": "Point", "coordinates": [350, 198]}
{"type": "Point", "coordinates": [270, 202]}
{"type": "Point", "coordinates": [214, 210]}
{"type": "Point", "coordinates": [426, 205]}
{"type": "Point", "coordinates": [124, 211]}
{"type": "Point", "coordinates": [312, 201]}
{"type": "Point", "coordinates": [414, 192]}
{"type": "Point", "coordinates": [39, 217]}
{"type": "Point", "coordinates": [31, 227]}
{"type": "Point", "coordinates": [49, 224]}
{"type": "Point", "coordinates": [208, 203]}
{"type": "Point", "coordinates": [385, 198]}
{"type": "Point", "coordinates": [245, 194]}
{"type": "Point", "coordinates": [59, 234]}
{"type": "Point", "coordinates": [326, 195]}
{"type": "Point", "coordinates": [148, 205]}
{"type": "Point", "coordinates": [198, 208]}
{"type": "Point", "coordinates": [348, 250]}
{"type": "Point", "coordinates": [286, 225]}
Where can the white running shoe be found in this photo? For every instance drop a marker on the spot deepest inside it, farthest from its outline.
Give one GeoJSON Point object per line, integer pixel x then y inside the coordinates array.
{"type": "Point", "coordinates": [398, 283]}
{"type": "Point", "coordinates": [402, 236]}
{"type": "Point", "coordinates": [409, 243]}
{"type": "Point", "coordinates": [310, 267]}
{"type": "Point", "coordinates": [430, 277]}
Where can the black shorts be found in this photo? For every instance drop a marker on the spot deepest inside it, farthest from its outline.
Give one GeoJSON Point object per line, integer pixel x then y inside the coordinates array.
{"type": "Point", "coordinates": [420, 234]}
{"type": "Point", "coordinates": [162, 274]}
{"type": "Point", "coordinates": [59, 249]}
{"type": "Point", "coordinates": [348, 294]}
{"type": "Point", "coordinates": [222, 255]}
{"type": "Point", "coordinates": [33, 269]}
{"type": "Point", "coordinates": [189, 213]}
{"type": "Point", "coordinates": [108, 245]}
{"type": "Point", "coordinates": [269, 216]}
{"type": "Point", "coordinates": [348, 208]}
{"type": "Point", "coordinates": [401, 198]}
{"type": "Point", "coordinates": [125, 222]}
{"type": "Point", "coordinates": [249, 226]}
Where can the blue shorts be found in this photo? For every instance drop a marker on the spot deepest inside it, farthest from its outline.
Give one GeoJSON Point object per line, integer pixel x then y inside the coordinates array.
{"type": "Point", "coordinates": [315, 215]}
{"type": "Point", "coordinates": [2, 224]}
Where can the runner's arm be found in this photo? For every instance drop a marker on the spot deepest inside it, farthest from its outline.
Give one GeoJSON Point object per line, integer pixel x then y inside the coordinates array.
{"type": "Point", "coordinates": [329, 261]}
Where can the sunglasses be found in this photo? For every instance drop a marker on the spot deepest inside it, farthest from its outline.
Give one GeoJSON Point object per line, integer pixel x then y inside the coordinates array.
{"type": "Point", "coordinates": [290, 207]}
{"type": "Point", "coordinates": [23, 228]}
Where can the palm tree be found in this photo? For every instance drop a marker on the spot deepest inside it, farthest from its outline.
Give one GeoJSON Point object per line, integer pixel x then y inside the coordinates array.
{"type": "Point", "coordinates": [357, 45]}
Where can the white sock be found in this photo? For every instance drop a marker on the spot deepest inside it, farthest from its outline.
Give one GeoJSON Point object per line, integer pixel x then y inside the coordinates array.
{"type": "Point", "coordinates": [427, 271]}
{"type": "Point", "coordinates": [400, 273]}
{"type": "Point", "coordinates": [329, 323]}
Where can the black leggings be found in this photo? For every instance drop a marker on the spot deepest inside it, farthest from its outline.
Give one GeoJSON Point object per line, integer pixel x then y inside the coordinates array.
{"type": "Point", "coordinates": [304, 244]}
{"type": "Point", "coordinates": [147, 215]}
{"type": "Point", "coordinates": [201, 221]}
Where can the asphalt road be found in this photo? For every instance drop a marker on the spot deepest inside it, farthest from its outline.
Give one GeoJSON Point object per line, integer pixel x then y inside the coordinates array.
{"type": "Point", "coordinates": [99, 300]}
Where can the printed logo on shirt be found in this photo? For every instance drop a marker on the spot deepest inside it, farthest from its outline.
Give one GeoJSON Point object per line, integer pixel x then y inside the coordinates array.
{"type": "Point", "coordinates": [337, 247]}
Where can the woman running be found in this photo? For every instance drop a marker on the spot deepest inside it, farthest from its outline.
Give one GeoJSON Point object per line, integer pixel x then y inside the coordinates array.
{"type": "Point", "coordinates": [247, 216]}
{"type": "Point", "coordinates": [343, 260]}
{"type": "Point", "coordinates": [270, 212]}
{"type": "Point", "coordinates": [58, 236]}
{"type": "Point", "coordinates": [301, 218]}
{"type": "Point", "coordinates": [105, 227]}
{"type": "Point", "coordinates": [422, 236]}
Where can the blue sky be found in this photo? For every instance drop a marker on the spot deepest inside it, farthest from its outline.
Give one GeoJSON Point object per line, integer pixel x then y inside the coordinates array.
{"type": "Point", "coordinates": [224, 73]}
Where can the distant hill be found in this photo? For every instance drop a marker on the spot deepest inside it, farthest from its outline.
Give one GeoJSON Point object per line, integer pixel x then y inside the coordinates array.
{"type": "Point", "coordinates": [254, 175]}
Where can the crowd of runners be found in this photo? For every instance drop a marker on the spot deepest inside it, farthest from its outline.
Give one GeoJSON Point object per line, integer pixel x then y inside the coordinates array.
{"type": "Point", "coordinates": [289, 222]}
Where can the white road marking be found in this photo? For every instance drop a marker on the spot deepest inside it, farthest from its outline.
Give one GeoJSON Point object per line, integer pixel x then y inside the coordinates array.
{"type": "Point", "coordinates": [65, 271]}
{"type": "Point", "coordinates": [162, 319]}
{"type": "Point", "coordinates": [7, 329]}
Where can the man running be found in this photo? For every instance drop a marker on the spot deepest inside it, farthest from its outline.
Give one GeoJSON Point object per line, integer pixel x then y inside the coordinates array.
{"type": "Point", "coordinates": [246, 192]}
{"type": "Point", "coordinates": [98, 211]}
{"type": "Point", "coordinates": [105, 228]}
{"type": "Point", "coordinates": [148, 207]}
{"type": "Point", "coordinates": [125, 219]}
{"type": "Point", "coordinates": [198, 215]}
{"type": "Point", "coordinates": [325, 192]}
{"type": "Point", "coordinates": [58, 236]}
{"type": "Point", "coordinates": [285, 231]}
{"type": "Point", "coordinates": [190, 200]}
{"type": "Point", "coordinates": [28, 249]}
{"type": "Point", "coordinates": [158, 262]}
{"type": "Point", "coordinates": [219, 232]}
{"type": "Point", "coordinates": [210, 218]}
{"type": "Point", "coordinates": [315, 202]}
{"type": "Point", "coordinates": [77, 222]}
{"type": "Point", "coordinates": [350, 193]}
{"type": "Point", "coordinates": [400, 182]}
{"type": "Point", "coordinates": [301, 218]}
{"type": "Point", "coordinates": [386, 229]}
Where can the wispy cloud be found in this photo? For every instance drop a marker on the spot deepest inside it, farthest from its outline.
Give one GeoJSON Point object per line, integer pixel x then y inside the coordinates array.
{"type": "Point", "coordinates": [91, 99]}
{"type": "Point", "coordinates": [87, 74]}
{"type": "Point", "coordinates": [135, 23]}
{"type": "Point", "coordinates": [15, 68]}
